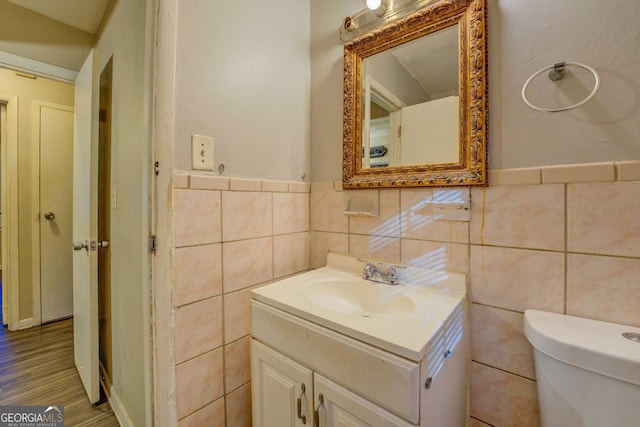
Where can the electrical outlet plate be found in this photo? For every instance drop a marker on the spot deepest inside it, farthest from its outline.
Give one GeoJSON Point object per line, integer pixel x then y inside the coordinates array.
{"type": "Point", "coordinates": [201, 152]}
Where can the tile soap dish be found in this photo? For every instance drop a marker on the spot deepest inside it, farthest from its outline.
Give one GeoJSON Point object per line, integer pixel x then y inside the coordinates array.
{"type": "Point", "coordinates": [362, 203]}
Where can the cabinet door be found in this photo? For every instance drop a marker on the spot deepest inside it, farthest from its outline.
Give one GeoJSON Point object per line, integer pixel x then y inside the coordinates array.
{"type": "Point", "coordinates": [281, 389]}
{"type": "Point", "coordinates": [339, 407]}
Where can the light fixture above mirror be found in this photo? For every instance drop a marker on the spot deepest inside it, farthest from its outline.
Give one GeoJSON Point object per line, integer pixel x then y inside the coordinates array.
{"type": "Point", "coordinates": [374, 4]}
{"type": "Point", "coordinates": [378, 6]}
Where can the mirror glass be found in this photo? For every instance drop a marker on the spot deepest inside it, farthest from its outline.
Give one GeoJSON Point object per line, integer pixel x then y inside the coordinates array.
{"type": "Point", "coordinates": [411, 103]}
{"type": "Point", "coordinates": [415, 99]}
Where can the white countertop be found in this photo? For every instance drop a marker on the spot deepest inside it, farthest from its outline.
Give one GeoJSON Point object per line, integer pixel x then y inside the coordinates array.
{"type": "Point", "coordinates": [402, 320]}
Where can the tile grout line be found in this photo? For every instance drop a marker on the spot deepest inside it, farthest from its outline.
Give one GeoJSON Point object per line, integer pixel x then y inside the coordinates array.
{"type": "Point", "coordinates": [566, 247]}
{"type": "Point", "coordinates": [502, 370]}
{"type": "Point", "coordinates": [222, 309]}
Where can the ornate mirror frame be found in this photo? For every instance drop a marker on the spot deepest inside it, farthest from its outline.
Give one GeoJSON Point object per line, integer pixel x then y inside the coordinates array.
{"type": "Point", "coordinates": [471, 168]}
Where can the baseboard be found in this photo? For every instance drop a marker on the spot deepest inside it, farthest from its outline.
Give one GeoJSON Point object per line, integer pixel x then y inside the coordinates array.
{"type": "Point", "coordinates": [25, 323]}
{"type": "Point", "coordinates": [119, 410]}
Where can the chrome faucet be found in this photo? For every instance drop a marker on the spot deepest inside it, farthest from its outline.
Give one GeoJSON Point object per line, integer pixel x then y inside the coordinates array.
{"type": "Point", "coordinates": [375, 274]}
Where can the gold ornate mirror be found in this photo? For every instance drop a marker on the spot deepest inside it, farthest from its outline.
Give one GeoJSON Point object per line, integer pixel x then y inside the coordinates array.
{"type": "Point", "coordinates": [415, 100]}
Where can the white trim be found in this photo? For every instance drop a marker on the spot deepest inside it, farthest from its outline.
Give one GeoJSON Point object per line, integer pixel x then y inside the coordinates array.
{"type": "Point", "coordinates": [25, 323]}
{"type": "Point", "coordinates": [164, 376]}
{"type": "Point", "coordinates": [31, 66]}
{"type": "Point", "coordinates": [149, 228]}
{"type": "Point", "coordinates": [35, 211]}
{"type": "Point", "coordinates": [373, 90]}
{"type": "Point", "coordinates": [35, 205]}
{"type": "Point", "coordinates": [118, 410]}
{"type": "Point", "coordinates": [3, 167]}
{"type": "Point", "coordinates": [9, 184]}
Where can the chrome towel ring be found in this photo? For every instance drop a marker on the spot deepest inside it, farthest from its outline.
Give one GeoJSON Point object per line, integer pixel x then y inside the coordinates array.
{"type": "Point", "coordinates": [558, 71]}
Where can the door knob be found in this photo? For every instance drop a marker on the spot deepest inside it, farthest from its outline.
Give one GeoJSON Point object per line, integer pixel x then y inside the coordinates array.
{"type": "Point", "coordinates": [103, 243]}
{"type": "Point", "coordinates": [49, 216]}
{"type": "Point", "coordinates": [99, 244]}
{"type": "Point", "coordinates": [80, 246]}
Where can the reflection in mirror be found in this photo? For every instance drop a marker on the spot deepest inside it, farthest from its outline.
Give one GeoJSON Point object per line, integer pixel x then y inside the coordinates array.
{"type": "Point", "coordinates": [415, 98]}
{"type": "Point", "coordinates": [411, 103]}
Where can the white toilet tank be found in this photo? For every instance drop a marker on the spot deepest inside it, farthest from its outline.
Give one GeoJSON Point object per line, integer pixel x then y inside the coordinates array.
{"type": "Point", "coordinates": [588, 373]}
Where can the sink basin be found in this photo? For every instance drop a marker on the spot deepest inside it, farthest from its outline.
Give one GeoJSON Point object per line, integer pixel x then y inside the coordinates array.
{"type": "Point", "coordinates": [358, 297]}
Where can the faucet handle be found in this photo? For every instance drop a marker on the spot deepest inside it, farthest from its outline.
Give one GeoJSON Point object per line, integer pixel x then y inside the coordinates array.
{"type": "Point", "coordinates": [367, 270]}
{"type": "Point", "coordinates": [393, 275]}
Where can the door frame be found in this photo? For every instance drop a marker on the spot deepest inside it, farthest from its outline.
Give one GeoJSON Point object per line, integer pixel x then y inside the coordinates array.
{"type": "Point", "coordinates": [35, 205]}
{"type": "Point", "coordinates": [9, 184]}
{"type": "Point", "coordinates": [9, 189]}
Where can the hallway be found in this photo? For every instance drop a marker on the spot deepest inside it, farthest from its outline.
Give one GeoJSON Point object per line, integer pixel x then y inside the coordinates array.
{"type": "Point", "coordinates": [36, 368]}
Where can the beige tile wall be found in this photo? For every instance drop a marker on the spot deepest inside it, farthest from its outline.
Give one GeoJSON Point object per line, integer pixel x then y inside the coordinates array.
{"type": "Point", "coordinates": [548, 238]}
{"type": "Point", "coordinates": [563, 239]}
{"type": "Point", "coordinates": [404, 230]}
{"type": "Point", "coordinates": [231, 235]}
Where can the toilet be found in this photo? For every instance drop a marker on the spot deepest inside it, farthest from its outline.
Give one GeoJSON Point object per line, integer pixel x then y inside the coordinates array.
{"type": "Point", "coordinates": [588, 373]}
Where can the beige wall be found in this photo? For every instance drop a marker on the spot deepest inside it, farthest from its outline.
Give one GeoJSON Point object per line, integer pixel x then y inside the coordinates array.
{"type": "Point", "coordinates": [124, 37]}
{"type": "Point", "coordinates": [29, 91]}
{"type": "Point", "coordinates": [245, 83]}
{"type": "Point", "coordinates": [527, 36]}
{"type": "Point", "coordinates": [31, 35]}
{"type": "Point", "coordinates": [230, 235]}
{"type": "Point", "coordinates": [523, 37]}
{"type": "Point", "coordinates": [242, 77]}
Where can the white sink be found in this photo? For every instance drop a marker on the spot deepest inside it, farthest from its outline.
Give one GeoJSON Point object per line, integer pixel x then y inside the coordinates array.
{"type": "Point", "coordinates": [358, 297]}
{"type": "Point", "coordinates": [400, 318]}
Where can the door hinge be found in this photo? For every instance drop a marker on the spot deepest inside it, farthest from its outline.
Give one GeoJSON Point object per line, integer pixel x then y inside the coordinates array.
{"type": "Point", "coordinates": [399, 131]}
{"type": "Point", "coordinates": [156, 168]}
{"type": "Point", "coordinates": [154, 244]}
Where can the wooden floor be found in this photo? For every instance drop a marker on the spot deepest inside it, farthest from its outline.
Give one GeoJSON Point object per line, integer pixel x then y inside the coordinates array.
{"type": "Point", "coordinates": [36, 368]}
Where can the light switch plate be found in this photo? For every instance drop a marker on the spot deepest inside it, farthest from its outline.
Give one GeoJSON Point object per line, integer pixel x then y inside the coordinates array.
{"type": "Point", "coordinates": [201, 152]}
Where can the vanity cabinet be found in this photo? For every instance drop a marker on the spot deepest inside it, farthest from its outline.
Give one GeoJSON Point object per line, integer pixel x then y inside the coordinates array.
{"type": "Point", "coordinates": [285, 393]}
{"type": "Point", "coordinates": [298, 365]}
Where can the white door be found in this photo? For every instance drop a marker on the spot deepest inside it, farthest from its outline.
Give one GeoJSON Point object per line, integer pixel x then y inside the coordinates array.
{"type": "Point", "coordinates": [430, 132]}
{"type": "Point", "coordinates": [281, 389]}
{"type": "Point", "coordinates": [339, 407]}
{"type": "Point", "coordinates": [56, 180]}
{"type": "Point", "coordinates": [85, 260]}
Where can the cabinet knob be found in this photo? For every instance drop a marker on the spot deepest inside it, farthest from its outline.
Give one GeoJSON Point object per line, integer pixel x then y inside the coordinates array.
{"type": "Point", "coordinates": [427, 383]}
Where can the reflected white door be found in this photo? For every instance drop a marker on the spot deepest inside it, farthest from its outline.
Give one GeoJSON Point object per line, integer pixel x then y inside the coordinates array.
{"type": "Point", "coordinates": [56, 175]}
{"type": "Point", "coordinates": [85, 265]}
{"type": "Point", "coordinates": [430, 132]}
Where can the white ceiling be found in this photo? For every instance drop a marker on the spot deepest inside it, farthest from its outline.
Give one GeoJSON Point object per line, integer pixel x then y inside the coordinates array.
{"type": "Point", "coordinates": [433, 61]}
{"type": "Point", "coordinates": [82, 14]}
